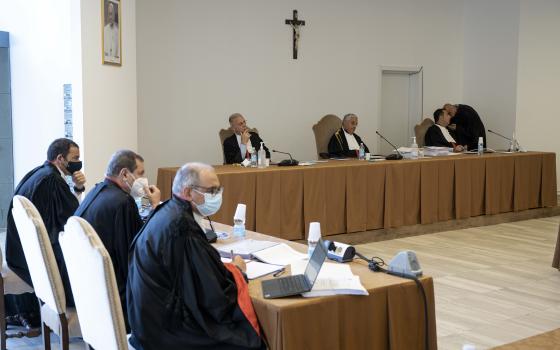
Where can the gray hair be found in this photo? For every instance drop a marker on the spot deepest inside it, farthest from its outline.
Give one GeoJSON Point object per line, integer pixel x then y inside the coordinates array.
{"type": "Point", "coordinates": [348, 116]}
{"type": "Point", "coordinates": [188, 176]}
{"type": "Point", "coordinates": [123, 159]}
{"type": "Point", "coordinates": [234, 116]}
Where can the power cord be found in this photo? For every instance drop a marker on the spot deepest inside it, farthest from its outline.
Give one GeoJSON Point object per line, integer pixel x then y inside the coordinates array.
{"type": "Point", "coordinates": [376, 264]}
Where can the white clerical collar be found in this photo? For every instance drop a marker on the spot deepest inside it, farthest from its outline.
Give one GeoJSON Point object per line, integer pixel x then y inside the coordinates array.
{"type": "Point", "coordinates": [446, 134]}
{"type": "Point", "coordinates": [351, 140]}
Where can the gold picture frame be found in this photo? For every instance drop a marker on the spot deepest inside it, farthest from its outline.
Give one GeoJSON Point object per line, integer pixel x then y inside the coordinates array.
{"type": "Point", "coordinates": [111, 36]}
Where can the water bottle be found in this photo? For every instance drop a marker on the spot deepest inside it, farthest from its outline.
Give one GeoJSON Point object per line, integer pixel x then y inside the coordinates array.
{"type": "Point", "coordinates": [362, 153]}
{"type": "Point", "coordinates": [480, 146]}
{"type": "Point", "coordinates": [414, 147]}
{"type": "Point", "coordinates": [313, 237]}
{"type": "Point", "coordinates": [239, 229]}
{"type": "Point", "coordinates": [253, 157]}
{"type": "Point", "coordinates": [262, 156]}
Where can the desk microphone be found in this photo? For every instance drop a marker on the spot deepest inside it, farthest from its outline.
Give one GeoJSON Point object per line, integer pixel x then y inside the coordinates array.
{"type": "Point", "coordinates": [286, 162]}
{"type": "Point", "coordinates": [391, 156]}
{"type": "Point", "coordinates": [514, 145]}
{"type": "Point", "coordinates": [502, 136]}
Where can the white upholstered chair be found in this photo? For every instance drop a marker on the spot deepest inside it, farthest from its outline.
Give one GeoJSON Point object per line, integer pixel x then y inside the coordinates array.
{"type": "Point", "coordinates": [11, 284]}
{"type": "Point", "coordinates": [94, 286]}
{"type": "Point", "coordinates": [55, 316]}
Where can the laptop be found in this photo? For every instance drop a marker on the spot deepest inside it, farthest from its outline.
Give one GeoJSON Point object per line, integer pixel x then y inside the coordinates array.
{"type": "Point", "coordinates": [297, 284]}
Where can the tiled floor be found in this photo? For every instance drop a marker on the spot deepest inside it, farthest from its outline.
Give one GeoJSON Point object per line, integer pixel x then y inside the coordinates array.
{"type": "Point", "coordinates": [493, 284]}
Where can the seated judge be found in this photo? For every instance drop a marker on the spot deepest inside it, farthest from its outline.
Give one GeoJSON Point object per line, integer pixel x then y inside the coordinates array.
{"type": "Point", "coordinates": [111, 210]}
{"type": "Point", "coordinates": [345, 142]}
{"type": "Point", "coordinates": [238, 146]}
{"type": "Point", "coordinates": [439, 135]}
{"type": "Point", "coordinates": [180, 295]}
{"type": "Point", "coordinates": [56, 200]}
{"type": "Point", "coordinates": [467, 123]}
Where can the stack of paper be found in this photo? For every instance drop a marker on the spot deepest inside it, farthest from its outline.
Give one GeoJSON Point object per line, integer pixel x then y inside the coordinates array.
{"type": "Point", "coordinates": [257, 269]}
{"type": "Point", "coordinates": [332, 279]}
{"type": "Point", "coordinates": [433, 151]}
{"type": "Point", "coordinates": [280, 254]}
{"type": "Point", "coordinates": [245, 248]}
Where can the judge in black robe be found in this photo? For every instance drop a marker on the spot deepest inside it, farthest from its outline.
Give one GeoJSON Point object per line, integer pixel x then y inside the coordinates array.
{"type": "Point", "coordinates": [469, 126]}
{"type": "Point", "coordinates": [338, 144]}
{"type": "Point", "coordinates": [45, 187]}
{"type": "Point", "coordinates": [434, 135]}
{"type": "Point", "coordinates": [180, 295]}
{"type": "Point", "coordinates": [112, 212]}
{"type": "Point", "coordinates": [233, 145]}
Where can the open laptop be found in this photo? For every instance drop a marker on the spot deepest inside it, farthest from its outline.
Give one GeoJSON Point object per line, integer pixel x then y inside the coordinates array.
{"type": "Point", "coordinates": [297, 284]}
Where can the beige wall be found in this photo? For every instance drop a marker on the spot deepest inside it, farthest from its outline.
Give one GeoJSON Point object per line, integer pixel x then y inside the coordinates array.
{"type": "Point", "coordinates": [538, 85]}
{"type": "Point", "coordinates": [200, 61]}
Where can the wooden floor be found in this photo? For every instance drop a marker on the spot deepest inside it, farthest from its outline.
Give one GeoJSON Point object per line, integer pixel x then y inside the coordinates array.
{"type": "Point", "coordinates": [493, 284]}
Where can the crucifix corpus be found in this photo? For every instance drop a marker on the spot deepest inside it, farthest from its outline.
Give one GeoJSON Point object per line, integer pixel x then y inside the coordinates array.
{"type": "Point", "coordinates": [295, 23]}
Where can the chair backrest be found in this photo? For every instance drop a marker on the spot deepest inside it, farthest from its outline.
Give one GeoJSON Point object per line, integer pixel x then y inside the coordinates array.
{"type": "Point", "coordinates": [224, 134]}
{"type": "Point", "coordinates": [39, 254]}
{"type": "Point", "coordinates": [94, 286]}
{"type": "Point", "coordinates": [323, 130]}
{"type": "Point", "coordinates": [420, 131]}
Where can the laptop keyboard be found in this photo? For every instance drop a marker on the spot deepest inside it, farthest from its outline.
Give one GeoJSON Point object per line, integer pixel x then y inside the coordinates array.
{"type": "Point", "coordinates": [293, 283]}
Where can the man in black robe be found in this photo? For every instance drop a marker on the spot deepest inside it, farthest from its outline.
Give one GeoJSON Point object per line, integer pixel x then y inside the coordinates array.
{"type": "Point", "coordinates": [438, 134]}
{"type": "Point", "coordinates": [238, 146]}
{"type": "Point", "coordinates": [345, 142]}
{"type": "Point", "coordinates": [112, 211]}
{"type": "Point", "coordinates": [469, 126]}
{"type": "Point", "coordinates": [46, 187]}
{"type": "Point", "coordinates": [179, 293]}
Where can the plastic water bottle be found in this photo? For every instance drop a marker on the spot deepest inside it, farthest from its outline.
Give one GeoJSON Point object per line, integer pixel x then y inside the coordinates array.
{"type": "Point", "coordinates": [313, 237]}
{"type": "Point", "coordinates": [414, 147]}
{"type": "Point", "coordinates": [262, 156]}
{"type": "Point", "coordinates": [362, 153]}
{"type": "Point", "coordinates": [238, 229]}
{"type": "Point", "coordinates": [253, 157]}
{"type": "Point", "coordinates": [480, 146]}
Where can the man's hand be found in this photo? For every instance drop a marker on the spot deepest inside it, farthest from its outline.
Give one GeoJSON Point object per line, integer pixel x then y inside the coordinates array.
{"type": "Point", "coordinates": [79, 179]}
{"type": "Point", "coordinates": [458, 148]}
{"type": "Point", "coordinates": [154, 195]}
{"type": "Point", "coordinates": [239, 262]}
{"type": "Point", "coordinates": [245, 136]}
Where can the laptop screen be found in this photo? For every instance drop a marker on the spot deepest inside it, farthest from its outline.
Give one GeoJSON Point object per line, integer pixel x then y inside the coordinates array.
{"type": "Point", "coordinates": [316, 261]}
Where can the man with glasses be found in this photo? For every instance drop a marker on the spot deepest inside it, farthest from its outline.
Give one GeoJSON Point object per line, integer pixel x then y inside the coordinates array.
{"type": "Point", "coordinates": [180, 295]}
{"type": "Point", "coordinates": [238, 146]}
{"type": "Point", "coordinates": [111, 209]}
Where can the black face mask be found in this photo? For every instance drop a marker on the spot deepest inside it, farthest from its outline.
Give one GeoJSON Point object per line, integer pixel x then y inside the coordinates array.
{"type": "Point", "coordinates": [72, 167]}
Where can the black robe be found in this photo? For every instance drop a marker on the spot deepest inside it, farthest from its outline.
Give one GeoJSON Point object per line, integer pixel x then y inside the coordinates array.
{"type": "Point", "coordinates": [232, 152]}
{"type": "Point", "coordinates": [114, 215]}
{"type": "Point", "coordinates": [434, 137]}
{"type": "Point", "coordinates": [469, 127]}
{"type": "Point", "coordinates": [179, 293]}
{"type": "Point", "coordinates": [338, 146]}
{"type": "Point", "coordinates": [51, 195]}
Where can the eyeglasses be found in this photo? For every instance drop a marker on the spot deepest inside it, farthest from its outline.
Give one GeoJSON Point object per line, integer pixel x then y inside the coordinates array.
{"type": "Point", "coordinates": [212, 190]}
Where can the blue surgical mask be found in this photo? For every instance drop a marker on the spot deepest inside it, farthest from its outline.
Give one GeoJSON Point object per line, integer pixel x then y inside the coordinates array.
{"type": "Point", "coordinates": [211, 205]}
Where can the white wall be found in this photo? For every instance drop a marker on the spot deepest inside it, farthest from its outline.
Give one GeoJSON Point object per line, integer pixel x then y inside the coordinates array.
{"type": "Point", "coordinates": [108, 92]}
{"type": "Point", "coordinates": [41, 62]}
{"type": "Point", "coordinates": [198, 62]}
{"type": "Point", "coordinates": [490, 64]}
{"type": "Point", "coordinates": [538, 91]}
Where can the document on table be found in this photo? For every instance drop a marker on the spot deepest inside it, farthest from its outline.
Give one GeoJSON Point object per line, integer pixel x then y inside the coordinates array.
{"type": "Point", "coordinates": [280, 254]}
{"type": "Point", "coordinates": [334, 278]}
{"type": "Point", "coordinates": [257, 269]}
{"type": "Point", "coordinates": [245, 248]}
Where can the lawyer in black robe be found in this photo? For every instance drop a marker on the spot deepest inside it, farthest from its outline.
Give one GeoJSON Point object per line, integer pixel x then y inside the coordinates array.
{"type": "Point", "coordinates": [338, 145]}
{"type": "Point", "coordinates": [113, 214]}
{"type": "Point", "coordinates": [232, 152]}
{"type": "Point", "coordinates": [51, 195]}
{"type": "Point", "coordinates": [180, 295]}
{"type": "Point", "coordinates": [469, 125]}
{"type": "Point", "coordinates": [434, 137]}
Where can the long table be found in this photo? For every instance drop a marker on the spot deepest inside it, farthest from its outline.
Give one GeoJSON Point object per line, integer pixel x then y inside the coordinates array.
{"type": "Point", "coordinates": [353, 196]}
{"type": "Point", "coordinates": [390, 317]}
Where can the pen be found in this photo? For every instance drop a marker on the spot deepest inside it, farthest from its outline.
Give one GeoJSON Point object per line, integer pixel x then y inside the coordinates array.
{"type": "Point", "coordinates": [276, 274]}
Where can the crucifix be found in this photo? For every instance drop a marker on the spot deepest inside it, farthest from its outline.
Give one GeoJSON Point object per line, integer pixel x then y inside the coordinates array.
{"type": "Point", "coordinates": [295, 23]}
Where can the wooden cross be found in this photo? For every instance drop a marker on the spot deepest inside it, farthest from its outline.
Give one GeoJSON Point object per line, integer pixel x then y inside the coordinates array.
{"type": "Point", "coordinates": [295, 23]}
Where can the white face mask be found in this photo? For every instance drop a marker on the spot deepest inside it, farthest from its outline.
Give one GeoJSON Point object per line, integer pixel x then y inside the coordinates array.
{"type": "Point", "coordinates": [137, 188]}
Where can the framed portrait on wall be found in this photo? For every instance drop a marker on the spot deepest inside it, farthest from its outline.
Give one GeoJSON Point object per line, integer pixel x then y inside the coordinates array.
{"type": "Point", "coordinates": [111, 32]}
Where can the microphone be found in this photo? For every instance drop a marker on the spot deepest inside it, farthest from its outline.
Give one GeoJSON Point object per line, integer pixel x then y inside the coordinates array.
{"type": "Point", "coordinates": [391, 156]}
{"type": "Point", "coordinates": [502, 136]}
{"type": "Point", "coordinates": [286, 162]}
{"type": "Point", "coordinates": [514, 144]}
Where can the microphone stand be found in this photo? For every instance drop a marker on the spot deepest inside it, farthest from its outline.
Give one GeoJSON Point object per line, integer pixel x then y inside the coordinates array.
{"type": "Point", "coordinates": [392, 156]}
{"type": "Point", "coordinates": [514, 145]}
{"type": "Point", "coordinates": [286, 162]}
